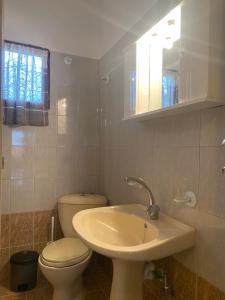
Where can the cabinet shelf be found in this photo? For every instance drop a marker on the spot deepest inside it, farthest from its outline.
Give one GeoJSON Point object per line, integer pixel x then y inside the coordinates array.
{"type": "Point", "coordinates": [194, 105]}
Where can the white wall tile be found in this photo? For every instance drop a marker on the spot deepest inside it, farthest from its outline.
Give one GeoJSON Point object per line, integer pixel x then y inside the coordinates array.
{"type": "Point", "coordinates": [185, 174]}
{"type": "Point", "coordinates": [44, 194]}
{"type": "Point", "coordinates": [22, 195]}
{"type": "Point", "coordinates": [67, 130]}
{"type": "Point", "coordinates": [163, 168]}
{"type": "Point", "coordinates": [212, 127]}
{"type": "Point", "coordinates": [5, 196]}
{"type": "Point", "coordinates": [211, 184]}
{"type": "Point", "coordinates": [45, 162]}
{"type": "Point", "coordinates": [67, 102]}
{"type": "Point", "coordinates": [65, 186]}
{"type": "Point", "coordinates": [46, 136]}
{"type": "Point", "coordinates": [88, 162]}
{"type": "Point", "coordinates": [88, 130]}
{"type": "Point", "coordinates": [23, 136]}
{"type": "Point", "coordinates": [22, 162]}
{"type": "Point", "coordinates": [6, 137]}
{"type": "Point", "coordinates": [88, 184]}
{"type": "Point", "coordinates": [66, 162]}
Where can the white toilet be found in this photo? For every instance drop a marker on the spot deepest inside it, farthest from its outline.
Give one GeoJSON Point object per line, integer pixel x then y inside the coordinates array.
{"type": "Point", "coordinates": [63, 261]}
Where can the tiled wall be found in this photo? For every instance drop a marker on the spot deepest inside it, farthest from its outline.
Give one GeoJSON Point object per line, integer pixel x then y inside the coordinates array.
{"type": "Point", "coordinates": [43, 163]}
{"type": "Point", "coordinates": [24, 231]}
{"type": "Point", "coordinates": [174, 155]}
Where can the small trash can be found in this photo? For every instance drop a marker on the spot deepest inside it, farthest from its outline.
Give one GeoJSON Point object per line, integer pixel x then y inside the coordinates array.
{"type": "Point", "coordinates": [23, 270]}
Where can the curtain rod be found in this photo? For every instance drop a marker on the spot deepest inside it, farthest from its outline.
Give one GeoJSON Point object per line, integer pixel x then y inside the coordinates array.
{"type": "Point", "coordinates": [26, 45]}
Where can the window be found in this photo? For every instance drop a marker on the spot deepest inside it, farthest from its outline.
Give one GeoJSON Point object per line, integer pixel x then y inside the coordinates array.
{"type": "Point", "coordinates": [25, 84]}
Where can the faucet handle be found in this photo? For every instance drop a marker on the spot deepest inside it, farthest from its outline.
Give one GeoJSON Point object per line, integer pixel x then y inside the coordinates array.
{"type": "Point", "coordinates": [153, 211]}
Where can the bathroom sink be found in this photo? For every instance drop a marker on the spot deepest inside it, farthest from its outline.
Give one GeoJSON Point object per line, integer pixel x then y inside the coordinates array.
{"type": "Point", "coordinates": [130, 238]}
{"type": "Point", "coordinates": [125, 232]}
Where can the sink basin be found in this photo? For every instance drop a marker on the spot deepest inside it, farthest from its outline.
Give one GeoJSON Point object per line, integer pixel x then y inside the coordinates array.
{"type": "Point", "coordinates": [125, 234]}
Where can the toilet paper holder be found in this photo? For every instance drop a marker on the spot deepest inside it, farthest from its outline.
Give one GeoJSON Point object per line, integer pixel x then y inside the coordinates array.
{"type": "Point", "coordinates": [189, 200]}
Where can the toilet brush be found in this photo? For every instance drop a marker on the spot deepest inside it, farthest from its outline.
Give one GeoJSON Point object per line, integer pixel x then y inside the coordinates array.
{"type": "Point", "coordinates": [52, 228]}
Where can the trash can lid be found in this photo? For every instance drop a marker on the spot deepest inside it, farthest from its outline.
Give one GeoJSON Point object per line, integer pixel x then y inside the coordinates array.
{"type": "Point", "coordinates": [24, 257]}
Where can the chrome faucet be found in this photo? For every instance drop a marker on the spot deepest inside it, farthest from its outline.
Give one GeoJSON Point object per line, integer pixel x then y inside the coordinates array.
{"type": "Point", "coordinates": [152, 208]}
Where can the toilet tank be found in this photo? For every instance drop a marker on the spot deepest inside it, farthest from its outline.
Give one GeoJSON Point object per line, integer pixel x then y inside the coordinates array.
{"type": "Point", "coordinates": [71, 204]}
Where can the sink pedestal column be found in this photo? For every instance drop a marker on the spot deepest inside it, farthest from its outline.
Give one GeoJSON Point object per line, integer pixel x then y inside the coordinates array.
{"type": "Point", "coordinates": [127, 280]}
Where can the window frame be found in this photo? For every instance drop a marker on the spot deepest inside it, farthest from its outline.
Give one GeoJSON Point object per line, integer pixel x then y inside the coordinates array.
{"type": "Point", "coordinates": [46, 83]}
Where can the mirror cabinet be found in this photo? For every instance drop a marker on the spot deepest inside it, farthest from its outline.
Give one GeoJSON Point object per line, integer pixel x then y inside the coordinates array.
{"type": "Point", "coordinates": [178, 65]}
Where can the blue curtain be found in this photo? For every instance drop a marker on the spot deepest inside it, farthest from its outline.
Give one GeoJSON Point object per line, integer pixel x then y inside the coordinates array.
{"type": "Point", "coordinates": [25, 84]}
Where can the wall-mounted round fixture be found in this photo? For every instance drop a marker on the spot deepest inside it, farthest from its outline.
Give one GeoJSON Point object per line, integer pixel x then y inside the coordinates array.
{"type": "Point", "coordinates": [189, 200]}
{"type": "Point", "coordinates": [68, 60]}
{"type": "Point", "coordinates": [105, 78]}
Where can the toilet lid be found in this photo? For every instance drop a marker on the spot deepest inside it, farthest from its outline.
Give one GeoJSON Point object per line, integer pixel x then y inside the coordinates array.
{"type": "Point", "coordinates": [64, 252]}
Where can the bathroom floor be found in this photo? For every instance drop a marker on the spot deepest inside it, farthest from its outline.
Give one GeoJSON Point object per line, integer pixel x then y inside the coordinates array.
{"type": "Point", "coordinates": [97, 285]}
{"type": "Point", "coordinates": [98, 278]}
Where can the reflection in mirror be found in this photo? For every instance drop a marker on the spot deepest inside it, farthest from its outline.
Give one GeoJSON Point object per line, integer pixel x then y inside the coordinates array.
{"type": "Point", "coordinates": [170, 77]}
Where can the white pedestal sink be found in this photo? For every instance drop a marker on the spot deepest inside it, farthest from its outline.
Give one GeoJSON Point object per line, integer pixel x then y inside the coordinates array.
{"type": "Point", "coordinates": [125, 234]}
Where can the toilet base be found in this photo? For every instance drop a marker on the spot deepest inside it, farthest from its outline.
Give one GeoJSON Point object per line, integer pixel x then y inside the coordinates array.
{"type": "Point", "coordinates": [70, 293]}
{"type": "Point", "coordinates": [66, 281]}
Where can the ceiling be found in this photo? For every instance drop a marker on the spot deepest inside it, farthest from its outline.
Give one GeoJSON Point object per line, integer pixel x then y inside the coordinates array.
{"type": "Point", "coordinates": [86, 28]}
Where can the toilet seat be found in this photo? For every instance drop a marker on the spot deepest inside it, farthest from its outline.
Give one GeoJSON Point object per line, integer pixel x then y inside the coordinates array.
{"type": "Point", "coordinates": [64, 253]}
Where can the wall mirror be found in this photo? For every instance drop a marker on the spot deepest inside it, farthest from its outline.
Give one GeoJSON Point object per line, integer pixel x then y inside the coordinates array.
{"type": "Point", "coordinates": [175, 67]}
{"type": "Point", "coordinates": [152, 67]}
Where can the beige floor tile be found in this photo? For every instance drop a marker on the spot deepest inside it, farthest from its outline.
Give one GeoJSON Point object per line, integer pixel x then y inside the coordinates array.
{"type": "Point", "coordinates": [40, 294]}
{"type": "Point", "coordinates": [205, 291]}
{"type": "Point", "coordinates": [95, 296]}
